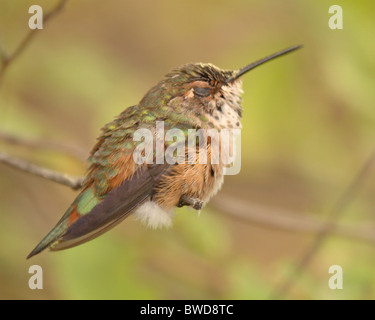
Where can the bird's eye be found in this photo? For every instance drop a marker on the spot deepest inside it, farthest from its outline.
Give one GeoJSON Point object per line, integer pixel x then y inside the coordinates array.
{"type": "Point", "coordinates": [202, 92]}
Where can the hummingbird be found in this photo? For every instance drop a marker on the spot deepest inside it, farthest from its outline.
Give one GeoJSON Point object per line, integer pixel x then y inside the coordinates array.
{"type": "Point", "coordinates": [193, 96]}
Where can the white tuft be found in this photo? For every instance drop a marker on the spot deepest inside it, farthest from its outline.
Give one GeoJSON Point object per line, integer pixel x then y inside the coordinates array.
{"type": "Point", "coordinates": [153, 216]}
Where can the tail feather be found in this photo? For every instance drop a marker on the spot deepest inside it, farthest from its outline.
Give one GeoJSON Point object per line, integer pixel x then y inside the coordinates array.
{"type": "Point", "coordinates": [47, 241]}
{"type": "Point", "coordinates": [84, 202]}
{"type": "Point", "coordinates": [89, 216]}
{"type": "Point", "coordinates": [52, 236]}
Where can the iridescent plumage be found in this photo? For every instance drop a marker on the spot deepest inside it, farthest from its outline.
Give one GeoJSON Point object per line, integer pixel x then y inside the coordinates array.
{"type": "Point", "coordinates": [194, 96]}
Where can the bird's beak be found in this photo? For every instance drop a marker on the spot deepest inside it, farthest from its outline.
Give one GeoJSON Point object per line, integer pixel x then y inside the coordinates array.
{"type": "Point", "coordinates": [238, 73]}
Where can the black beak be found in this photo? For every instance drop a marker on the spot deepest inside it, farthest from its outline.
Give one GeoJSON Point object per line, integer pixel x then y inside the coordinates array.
{"type": "Point", "coordinates": [253, 65]}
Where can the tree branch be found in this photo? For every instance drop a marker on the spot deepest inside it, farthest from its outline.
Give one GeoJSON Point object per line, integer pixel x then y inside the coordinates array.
{"type": "Point", "coordinates": [231, 206]}
{"type": "Point", "coordinates": [67, 180]}
{"type": "Point", "coordinates": [44, 145]}
{"type": "Point", "coordinates": [281, 219]}
{"type": "Point", "coordinates": [7, 60]}
{"type": "Point", "coordinates": [330, 226]}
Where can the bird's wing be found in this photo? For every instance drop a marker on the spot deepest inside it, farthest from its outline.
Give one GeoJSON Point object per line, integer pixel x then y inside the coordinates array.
{"type": "Point", "coordinates": [114, 186]}
{"type": "Point", "coordinates": [115, 207]}
{"type": "Point", "coordinates": [77, 227]}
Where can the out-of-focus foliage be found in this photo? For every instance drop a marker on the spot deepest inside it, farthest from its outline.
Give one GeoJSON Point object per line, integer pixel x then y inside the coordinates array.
{"type": "Point", "coordinates": [308, 127]}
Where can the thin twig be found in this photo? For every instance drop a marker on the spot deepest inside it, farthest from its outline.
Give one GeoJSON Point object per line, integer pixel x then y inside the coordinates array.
{"type": "Point", "coordinates": [233, 207]}
{"type": "Point", "coordinates": [281, 219]}
{"type": "Point", "coordinates": [67, 180]}
{"type": "Point", "coordinates": [330, 226]}
{"type": "Point", "coordinates": [43, 144]}
{"type": "Point", "coordinates": [7, 60]}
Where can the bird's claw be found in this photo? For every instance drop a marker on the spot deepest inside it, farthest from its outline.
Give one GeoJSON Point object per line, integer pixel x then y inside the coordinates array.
{"type": "Point", "coordinates": [195, 203]}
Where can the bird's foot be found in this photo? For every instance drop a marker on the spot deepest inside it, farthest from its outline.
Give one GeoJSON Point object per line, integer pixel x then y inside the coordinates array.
{"type": "Point", "coordinates": [195, 203]}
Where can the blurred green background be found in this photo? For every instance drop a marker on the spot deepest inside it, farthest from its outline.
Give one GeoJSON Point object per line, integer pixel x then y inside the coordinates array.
{"type": "Point", "coordinates": [308, 127]}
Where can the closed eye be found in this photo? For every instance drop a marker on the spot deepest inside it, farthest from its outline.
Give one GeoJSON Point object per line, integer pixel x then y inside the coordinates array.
{"type": "Point", "coordinates": [202, 92]}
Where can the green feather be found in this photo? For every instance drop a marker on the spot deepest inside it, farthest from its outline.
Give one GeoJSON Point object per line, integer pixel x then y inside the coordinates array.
{"type": "Point", "coordinates": [86, 201]}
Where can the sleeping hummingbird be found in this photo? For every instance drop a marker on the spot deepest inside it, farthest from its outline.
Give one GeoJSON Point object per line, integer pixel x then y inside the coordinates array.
{"type": "Point", "coordinates": [193, 96]}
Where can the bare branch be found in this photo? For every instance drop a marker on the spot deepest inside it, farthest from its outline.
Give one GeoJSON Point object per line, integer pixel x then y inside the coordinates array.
{"type": "Point", "coordinates": [43, 144]}
{"type": "Point", "coordinates": [254, 213]}
{"type": "Point", "coordinates": [330, 226]}
{"type": "Point", "coordinates": [70, 181]}
{"type": "Point", "coordinates": [7, 60]}
{"type": "Point", "coordinates": [281, 219]}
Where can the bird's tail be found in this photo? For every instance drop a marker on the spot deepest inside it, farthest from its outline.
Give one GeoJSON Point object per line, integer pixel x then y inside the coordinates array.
{"type": "Point", "coordinates": [53, 235]}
